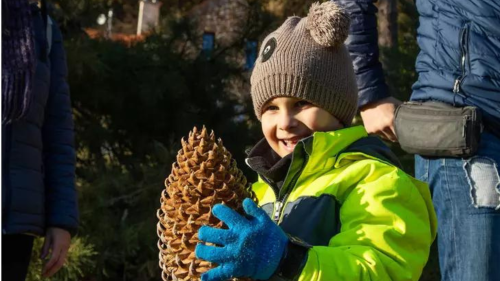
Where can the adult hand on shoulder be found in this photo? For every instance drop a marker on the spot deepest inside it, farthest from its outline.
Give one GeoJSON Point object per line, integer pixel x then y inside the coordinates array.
{"type": "Point", "coordinates": [56, 243]}
{"type": "Point", "coordinates": [252, 246]}
{"type": "Point", "coordinates": [378, 118]}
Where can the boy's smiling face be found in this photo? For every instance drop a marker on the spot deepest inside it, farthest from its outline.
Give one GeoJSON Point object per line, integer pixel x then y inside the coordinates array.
{"type": "Point", "coordinates": [286, 120]}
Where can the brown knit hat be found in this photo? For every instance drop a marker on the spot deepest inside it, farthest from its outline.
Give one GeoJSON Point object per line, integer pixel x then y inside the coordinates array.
{"type": "Point", "coordinates": [306, 58]}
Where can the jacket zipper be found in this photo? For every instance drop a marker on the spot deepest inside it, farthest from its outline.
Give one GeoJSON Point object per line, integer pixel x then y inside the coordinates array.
{"type": "Point", "coordinates": [279, 207]}
{"type": "Point", "coordinates": [277, 211]}
{"type": "Point", "coordinates": [464, 40]}
{"type": "Point", "coordinates": [280, 203]}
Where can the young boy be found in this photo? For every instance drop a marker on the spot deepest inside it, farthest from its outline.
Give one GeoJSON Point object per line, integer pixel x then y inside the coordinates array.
{"type": "Point", "coordinates": [334, 204]}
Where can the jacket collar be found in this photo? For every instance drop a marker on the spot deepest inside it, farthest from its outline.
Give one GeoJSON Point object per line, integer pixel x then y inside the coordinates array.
{"type": "Point", "coordinates": [320, 151]}
{"type": "Point", "coordinates": [268, 164]}
{"type": "Point", "coordinates": [324, 145]}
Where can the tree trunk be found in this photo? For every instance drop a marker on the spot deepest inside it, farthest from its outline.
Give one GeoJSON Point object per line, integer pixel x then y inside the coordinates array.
{"type": "Point", "coordinates": [388, 23]}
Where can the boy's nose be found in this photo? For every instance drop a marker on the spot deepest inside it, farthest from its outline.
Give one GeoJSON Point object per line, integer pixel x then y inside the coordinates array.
{"type": "Point", "coordinates": [287, 121]}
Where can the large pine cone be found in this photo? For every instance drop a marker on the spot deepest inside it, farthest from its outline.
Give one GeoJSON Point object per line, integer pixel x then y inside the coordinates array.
{"type": "Point", "coordinates": [204, 175]}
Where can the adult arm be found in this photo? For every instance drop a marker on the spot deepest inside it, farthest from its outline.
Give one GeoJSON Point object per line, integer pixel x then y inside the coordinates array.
{"type": "Point", "coordinates": [376, 105]}
{"type": "Point", "coordinates": [61, 209]}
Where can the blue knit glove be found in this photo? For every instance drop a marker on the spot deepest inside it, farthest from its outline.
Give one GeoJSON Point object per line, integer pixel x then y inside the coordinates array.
{"type": "Point", "coordinates": [252, 246]}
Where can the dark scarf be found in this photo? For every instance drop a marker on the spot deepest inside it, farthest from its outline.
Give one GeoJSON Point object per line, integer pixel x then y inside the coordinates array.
{"type": "Point", "coordinates": [18, 59]}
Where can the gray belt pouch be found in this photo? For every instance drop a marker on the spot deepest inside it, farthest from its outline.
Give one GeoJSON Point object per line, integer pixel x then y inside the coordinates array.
{"type": "Point", "coordinates": [438, 129]}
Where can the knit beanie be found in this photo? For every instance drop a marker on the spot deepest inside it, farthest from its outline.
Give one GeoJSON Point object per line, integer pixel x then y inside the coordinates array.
{"type": "Point", "coordinates": [306, 58]}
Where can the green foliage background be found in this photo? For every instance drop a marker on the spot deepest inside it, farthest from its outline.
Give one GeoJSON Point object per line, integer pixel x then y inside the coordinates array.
{"type": "Point", "coordinates": [133, 104]}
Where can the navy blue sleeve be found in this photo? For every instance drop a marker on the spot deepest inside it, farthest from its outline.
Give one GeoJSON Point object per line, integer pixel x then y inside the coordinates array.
{"type": "Point", "coordinates": [61, 206]}
{"type": "Point", "coordinates": [362, 44]}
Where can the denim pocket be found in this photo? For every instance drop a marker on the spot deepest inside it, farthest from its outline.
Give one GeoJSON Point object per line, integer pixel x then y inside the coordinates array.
{"type": "Point", "coordinates": [484, 181]}
{"type": "Point", "coordinates": [421, 168]}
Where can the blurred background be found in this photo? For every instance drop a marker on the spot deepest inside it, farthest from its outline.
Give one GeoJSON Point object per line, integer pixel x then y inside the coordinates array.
{"type": "Point", "coordinates": [142, 74]}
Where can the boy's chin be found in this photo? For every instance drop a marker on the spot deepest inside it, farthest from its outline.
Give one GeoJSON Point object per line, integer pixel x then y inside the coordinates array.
{"type": "Point", "coordinates": [285, 149]}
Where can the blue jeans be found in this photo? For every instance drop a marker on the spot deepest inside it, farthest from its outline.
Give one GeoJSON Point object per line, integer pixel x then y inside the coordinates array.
{"type": "Point", "coordinates": [466, 196]}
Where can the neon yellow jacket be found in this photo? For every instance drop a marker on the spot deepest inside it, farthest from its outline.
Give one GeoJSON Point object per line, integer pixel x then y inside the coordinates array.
{"type": "Point", "coordinates": [365, 217]}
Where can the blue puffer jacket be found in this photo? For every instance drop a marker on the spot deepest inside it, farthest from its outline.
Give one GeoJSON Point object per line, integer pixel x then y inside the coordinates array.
{"type": "Point", "coordinates": [38, 156]}
{"type": "Point", "coordinates": [459, 61]}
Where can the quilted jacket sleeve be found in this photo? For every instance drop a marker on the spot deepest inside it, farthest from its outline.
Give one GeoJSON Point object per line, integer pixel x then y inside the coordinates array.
{"type": "Point", "coordinates": [58, 142]}
{"type": "Point", "coordinates": [362, 44]}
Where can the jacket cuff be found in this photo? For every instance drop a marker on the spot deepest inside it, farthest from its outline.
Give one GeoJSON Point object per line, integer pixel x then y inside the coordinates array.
{"type": "Point", "coordinates": [68, 224]}
{"type": "Point", "coordinates": [373, 94]}
{"type": "Point", "coordinates": [372, 86]}
{"type": "Point", "coordinates": [293, 260]}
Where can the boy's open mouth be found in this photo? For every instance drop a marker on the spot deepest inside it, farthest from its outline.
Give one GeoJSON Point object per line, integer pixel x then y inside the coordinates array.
{"type": "Point", "coordinates": [289, 144]}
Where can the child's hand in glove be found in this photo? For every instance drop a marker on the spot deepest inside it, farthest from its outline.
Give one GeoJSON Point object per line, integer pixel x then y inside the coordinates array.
{"type": "Point", "coordinates": [252, 246]}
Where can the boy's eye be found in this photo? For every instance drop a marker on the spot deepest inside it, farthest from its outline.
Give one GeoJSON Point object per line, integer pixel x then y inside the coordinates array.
{"type": "Point", "coordinates": [272, 107]}
{"type": "Point", "coordinates": [302, 103]}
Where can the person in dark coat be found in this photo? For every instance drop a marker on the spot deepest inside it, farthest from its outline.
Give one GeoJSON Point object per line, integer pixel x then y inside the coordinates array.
{"type": "Point", "coordinates": [38, 155]}
{"type": "Point", "coordinates": [458, 64]}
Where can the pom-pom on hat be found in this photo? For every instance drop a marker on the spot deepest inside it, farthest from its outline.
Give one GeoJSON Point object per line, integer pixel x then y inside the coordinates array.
{"type": "Point", "coordinates": [306, 58]}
